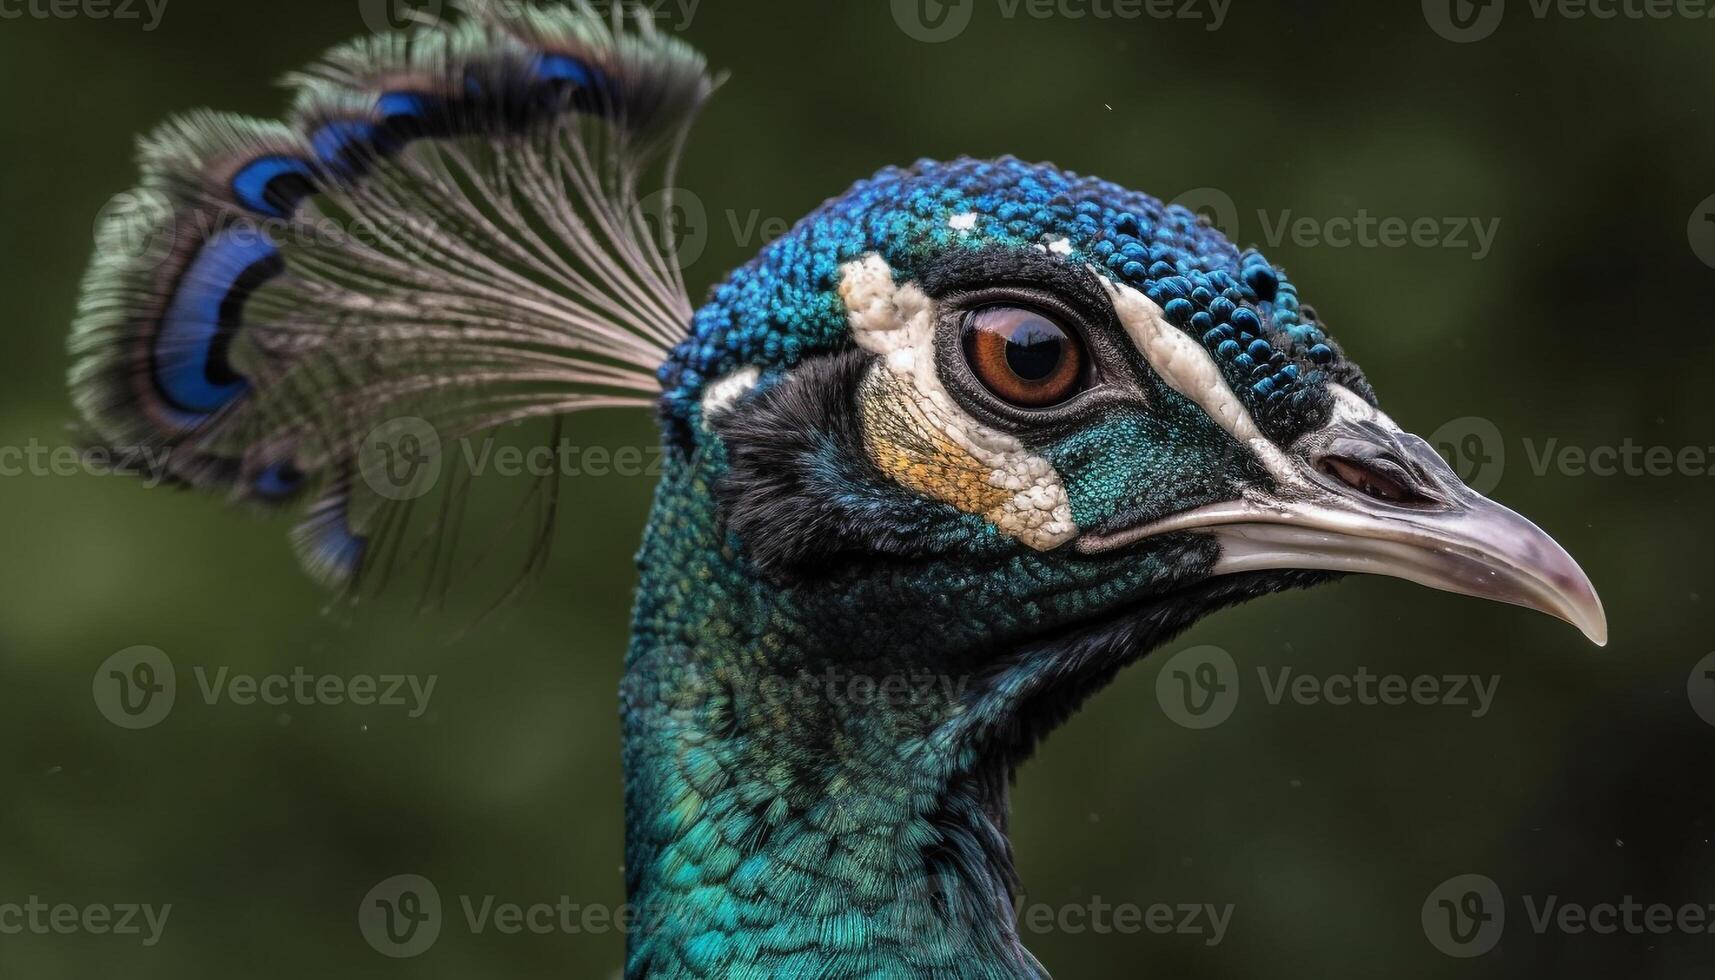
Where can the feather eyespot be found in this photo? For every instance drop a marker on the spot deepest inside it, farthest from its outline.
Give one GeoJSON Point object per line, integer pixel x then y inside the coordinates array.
{"type": "Point", "coordinates": [1023, 356]}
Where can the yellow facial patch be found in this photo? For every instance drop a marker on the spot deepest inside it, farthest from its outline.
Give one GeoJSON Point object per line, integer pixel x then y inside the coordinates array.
{"type": "Point", "coordinates": [920, 437]}
{"type": "Point", "coordinates": [912, 450]}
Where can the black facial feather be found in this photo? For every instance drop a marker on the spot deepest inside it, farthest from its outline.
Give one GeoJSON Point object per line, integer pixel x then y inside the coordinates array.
{"type": "Point", "coordinates": [996, 265]}
{"type": "Point", "coordinates": [801, 491]}
{"type": "Point", "coordinates": [1089, 656]}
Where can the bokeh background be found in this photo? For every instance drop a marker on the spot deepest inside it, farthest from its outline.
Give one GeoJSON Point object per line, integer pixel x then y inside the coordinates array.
{"type": "Point", "coordinates": [1586, 144]}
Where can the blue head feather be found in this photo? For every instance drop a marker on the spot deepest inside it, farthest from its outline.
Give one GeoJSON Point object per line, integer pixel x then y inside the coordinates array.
{"type": "Point", "coordinates": [783, 306]}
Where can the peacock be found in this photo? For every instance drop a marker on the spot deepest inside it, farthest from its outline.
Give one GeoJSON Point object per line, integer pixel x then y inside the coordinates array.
{"type": "Point", "coordinates": [937, 463]}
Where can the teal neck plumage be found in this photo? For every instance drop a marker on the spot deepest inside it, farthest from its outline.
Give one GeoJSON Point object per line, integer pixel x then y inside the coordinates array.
{"type": "Point", "coordinates": [816, 777]}
{"type": "Point", "coordinates": [789, 809]}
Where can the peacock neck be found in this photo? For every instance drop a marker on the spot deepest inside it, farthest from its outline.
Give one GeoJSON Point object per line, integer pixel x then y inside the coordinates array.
{"type": "Point", "coordinates": [798, 800]}
{"type": "Point", "coordinates": [817, 763]}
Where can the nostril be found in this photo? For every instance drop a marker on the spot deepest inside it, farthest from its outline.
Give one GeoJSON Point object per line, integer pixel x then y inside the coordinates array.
{"type": "Point", "coordinates": [1378, 478]}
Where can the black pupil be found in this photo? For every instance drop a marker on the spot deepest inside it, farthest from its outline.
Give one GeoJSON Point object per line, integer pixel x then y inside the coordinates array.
{"type": "Point", "coordinates": [1034, 350]}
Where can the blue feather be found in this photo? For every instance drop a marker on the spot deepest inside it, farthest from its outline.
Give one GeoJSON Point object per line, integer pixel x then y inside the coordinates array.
{"type": "Point", "coordinates": [191, 366]}
{"type": "Point", "coordinates": [274, 185]}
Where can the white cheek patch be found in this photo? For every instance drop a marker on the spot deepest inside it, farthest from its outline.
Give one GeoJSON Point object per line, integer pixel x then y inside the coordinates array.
{"type": "Point", "coordinates": [1187, 368]}
{"type": "Point", "coordinates": [919, 435]}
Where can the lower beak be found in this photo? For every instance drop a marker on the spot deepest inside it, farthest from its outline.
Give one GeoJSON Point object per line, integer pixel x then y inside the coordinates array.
{"type": "Point", "coordinates": [1376, 500]}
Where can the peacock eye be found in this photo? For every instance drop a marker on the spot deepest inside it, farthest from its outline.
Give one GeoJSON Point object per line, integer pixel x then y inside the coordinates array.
{"type": "Point", "coordinates": [1023, 356]}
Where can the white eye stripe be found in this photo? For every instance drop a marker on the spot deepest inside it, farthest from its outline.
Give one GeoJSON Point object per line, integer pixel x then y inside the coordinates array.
{"type": "Point", "coordinates": [1349, 407]}
{"type": "Point", "coordinates": [1187, 368]}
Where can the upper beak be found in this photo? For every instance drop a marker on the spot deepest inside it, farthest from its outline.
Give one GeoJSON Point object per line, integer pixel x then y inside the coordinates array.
{"type": "Point", "coordinates": [1370, 498]}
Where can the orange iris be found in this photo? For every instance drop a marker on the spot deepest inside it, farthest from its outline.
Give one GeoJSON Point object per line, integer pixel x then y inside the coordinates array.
{"type": "Point", "coordinates": [1022, 356]}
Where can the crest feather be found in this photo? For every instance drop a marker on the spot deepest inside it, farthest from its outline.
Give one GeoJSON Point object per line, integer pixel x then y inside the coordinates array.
{"type": "Point", "coordinates": [448, 230]}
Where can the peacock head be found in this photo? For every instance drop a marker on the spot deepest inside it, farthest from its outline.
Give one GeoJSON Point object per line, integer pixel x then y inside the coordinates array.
{"type": "Point", "coordinates": [1009, 405]}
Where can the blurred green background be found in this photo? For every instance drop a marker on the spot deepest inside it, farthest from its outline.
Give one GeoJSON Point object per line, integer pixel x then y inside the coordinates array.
{"type": "Point", "coordinates": [1588, 143]}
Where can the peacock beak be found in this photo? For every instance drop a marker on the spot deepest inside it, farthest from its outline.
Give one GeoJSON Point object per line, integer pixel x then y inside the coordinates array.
{"type": "Point", "coordinates": [1469, 545]}
{"type": "Point", "coordinates": [1370, 498]}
